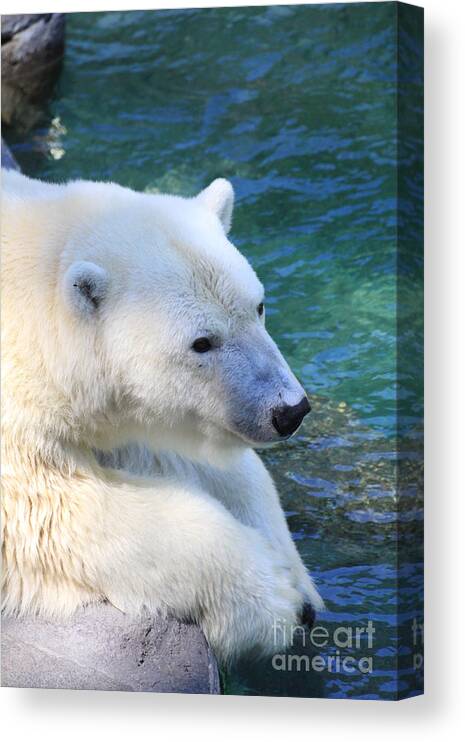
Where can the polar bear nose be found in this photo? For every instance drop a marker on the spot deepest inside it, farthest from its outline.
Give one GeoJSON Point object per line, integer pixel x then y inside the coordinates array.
{"type": "Point", "coordinates": [286, 419]}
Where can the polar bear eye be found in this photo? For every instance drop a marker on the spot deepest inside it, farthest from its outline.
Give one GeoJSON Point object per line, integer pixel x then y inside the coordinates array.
{"type": "Point", "coordinates": [201, 345]}
{"type": "Point", "coordinates": [261, 309]}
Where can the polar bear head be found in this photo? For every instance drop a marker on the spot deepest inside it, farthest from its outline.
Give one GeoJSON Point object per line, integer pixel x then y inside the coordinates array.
{"type": "Point", "coordinates": [153, 327]}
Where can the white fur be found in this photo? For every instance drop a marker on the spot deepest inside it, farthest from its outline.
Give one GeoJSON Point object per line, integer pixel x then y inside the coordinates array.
{"type": "Point", "coordinates": [104, 291]}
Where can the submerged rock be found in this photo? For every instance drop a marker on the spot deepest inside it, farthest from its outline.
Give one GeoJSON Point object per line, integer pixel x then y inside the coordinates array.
{"type": "Point", "coordinates": [32, 53]}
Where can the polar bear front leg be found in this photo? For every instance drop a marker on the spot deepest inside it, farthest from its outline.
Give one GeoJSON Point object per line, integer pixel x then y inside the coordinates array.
{"type": "Point", "coordinates": [247, 490]}
{"type": "Point", "coordinates": [175, 550]}
{"type": "Point", "coordinates": [154, 544]}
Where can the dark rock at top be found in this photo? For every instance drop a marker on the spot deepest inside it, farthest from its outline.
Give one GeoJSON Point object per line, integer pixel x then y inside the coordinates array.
{"type": "Point", "coordinates": [32, 52]}
{"type": "Point", "coordinates": [12, 24]}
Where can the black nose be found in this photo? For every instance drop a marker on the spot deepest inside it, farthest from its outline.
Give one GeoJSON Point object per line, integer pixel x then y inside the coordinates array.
{"type": "Point", "coordinates": [287, 419]}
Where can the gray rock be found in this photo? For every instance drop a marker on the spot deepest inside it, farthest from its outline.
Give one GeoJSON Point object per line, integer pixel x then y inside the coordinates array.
{"type": "Point", "coordinates": [8, 161]}
{"type": "Point", "coordinates": [100, 648]}
{"type": "Point", "coordinates": [32, 52]}
{"type": "Point", "coordinates": [12, 24]}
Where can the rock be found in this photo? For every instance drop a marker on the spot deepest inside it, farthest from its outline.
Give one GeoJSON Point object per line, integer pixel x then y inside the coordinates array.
{"type": "Point", "coordinates": [8, 161]}
{"type": "Point", "coordinates": [32, 52]}
{"type": "Point", "coordinates": [13, 24]}
{"type": "Point", "coordinates": [100, 648]}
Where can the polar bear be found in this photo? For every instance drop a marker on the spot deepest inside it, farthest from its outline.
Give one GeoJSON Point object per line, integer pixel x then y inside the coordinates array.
{"type": "Point", "coordinates": [138, 377]}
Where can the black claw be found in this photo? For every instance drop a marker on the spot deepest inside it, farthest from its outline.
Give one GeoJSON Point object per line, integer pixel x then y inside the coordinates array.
{"type": "Point", "coordinates": [308, 615]}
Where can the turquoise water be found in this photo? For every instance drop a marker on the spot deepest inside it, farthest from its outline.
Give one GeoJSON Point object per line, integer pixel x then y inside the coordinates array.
{"type": "Point", "coordinates": [298, 107]}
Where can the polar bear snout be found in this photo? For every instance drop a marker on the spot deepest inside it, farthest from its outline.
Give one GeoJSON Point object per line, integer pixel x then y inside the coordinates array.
{"type": "Point", "coordinates": [287, 418]}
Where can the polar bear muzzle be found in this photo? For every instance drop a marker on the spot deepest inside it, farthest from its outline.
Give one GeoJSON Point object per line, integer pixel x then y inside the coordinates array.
{"type": "Point", "coordinates": [266, 403]}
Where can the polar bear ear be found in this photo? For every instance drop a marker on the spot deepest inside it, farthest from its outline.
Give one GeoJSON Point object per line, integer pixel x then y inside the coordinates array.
{"type": "Point", "coordinates": [219, 198]}
{"type": "Point", "coordinates": [85, 287]}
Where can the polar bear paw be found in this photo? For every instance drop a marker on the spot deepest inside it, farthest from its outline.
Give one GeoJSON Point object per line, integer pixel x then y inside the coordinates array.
{"type": "Point", "coordinates": [259, 608]}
